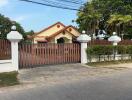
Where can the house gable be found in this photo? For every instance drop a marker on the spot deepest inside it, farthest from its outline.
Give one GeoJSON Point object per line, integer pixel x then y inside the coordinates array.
{"type": "Point", "coordinates": [73, 30]}
{"type": "Point", "coordinates": [50, 30]}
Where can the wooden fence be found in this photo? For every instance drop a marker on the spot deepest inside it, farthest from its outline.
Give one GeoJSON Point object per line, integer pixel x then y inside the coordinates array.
{"type": "Point", "coordinates": [106, 42]}
{"type": "Point", "coordinates": [5, 49]}
{"type": "Point", "coordinates": [32, 55]}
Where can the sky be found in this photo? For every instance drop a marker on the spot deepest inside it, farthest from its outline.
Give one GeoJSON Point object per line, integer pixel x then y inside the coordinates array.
{"type": "Point", "coordinates": [35, 17]}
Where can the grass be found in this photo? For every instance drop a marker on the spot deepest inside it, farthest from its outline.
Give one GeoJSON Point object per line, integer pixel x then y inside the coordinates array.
{"type": "Point", "coordinates": [8, 79]}
{"type": "Point", "coordinates": [96, 64]}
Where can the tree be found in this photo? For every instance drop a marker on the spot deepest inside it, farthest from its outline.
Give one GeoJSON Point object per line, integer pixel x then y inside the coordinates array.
{"type": "Point", "coordinates": [88, 19]}
{"type": "Point", "coordinates": [103, 12]}
{"type": "Point", "coordinates": [120, 22]}
{"type": "Point", "coordinates": [5, 27]}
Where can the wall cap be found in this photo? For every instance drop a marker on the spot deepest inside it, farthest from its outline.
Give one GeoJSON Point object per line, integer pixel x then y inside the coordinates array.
{"type": "Point", "coordinates": [84, 38]}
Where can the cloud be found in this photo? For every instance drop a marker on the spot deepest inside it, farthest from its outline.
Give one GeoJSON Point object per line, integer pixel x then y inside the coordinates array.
{"type": "Point", "coordinates": [20, 18]}
{"type": "Point", "coordinates": [3, 3]}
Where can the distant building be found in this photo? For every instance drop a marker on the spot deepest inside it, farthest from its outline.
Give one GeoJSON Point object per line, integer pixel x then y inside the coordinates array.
{"type": "Point", "coordinates": [56, 33]}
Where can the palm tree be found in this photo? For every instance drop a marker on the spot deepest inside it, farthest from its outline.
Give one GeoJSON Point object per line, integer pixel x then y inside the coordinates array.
{"type": "Point", "coordinates": [118, 22]}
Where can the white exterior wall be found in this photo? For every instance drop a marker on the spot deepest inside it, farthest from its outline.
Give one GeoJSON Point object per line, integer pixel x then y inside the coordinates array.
{"type": "Point", "coordinates": [111, 58]}
{"type": "Point", "coordinates": [6, 66]}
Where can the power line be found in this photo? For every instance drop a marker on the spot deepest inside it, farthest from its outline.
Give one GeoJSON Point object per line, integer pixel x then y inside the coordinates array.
{"type": "Point", "coordinates": [69, 1]}
{"type": "Point", "coordinates": [50, 5]}
{"type": "Point", "coordinates": [58, 3]}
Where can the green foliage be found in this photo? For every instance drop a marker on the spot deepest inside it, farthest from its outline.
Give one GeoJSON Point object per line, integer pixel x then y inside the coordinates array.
{"type": "Point", "coordinates": [30, 32]}
{"type": "Point", "coordinates": [100, 50]}
{"type": "Point", "coordinates": [103, 51]}
{"type": "Point", "coordinates": [108, 50]}
{"type": "Point", "coordinates": [122, 49]}
{"type": "Point", "coordinates": [5, 27]}
{"type": "Point", "coordinates": [105, 14]}
{"type": "Point", "coordinates": [129, 49]}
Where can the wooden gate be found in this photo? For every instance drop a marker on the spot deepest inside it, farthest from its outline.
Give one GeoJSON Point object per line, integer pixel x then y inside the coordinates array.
{"type": "Point", "coordinates": [33, 55]}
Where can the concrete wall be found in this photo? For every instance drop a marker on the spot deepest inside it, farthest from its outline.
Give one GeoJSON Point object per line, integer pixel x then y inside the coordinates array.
{"type": "Point", "coordinates": [6, 66]}
{"type": "Point", "coordinates": [111, 57]}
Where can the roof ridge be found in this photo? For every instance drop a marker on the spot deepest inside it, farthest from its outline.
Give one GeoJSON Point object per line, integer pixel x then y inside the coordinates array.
{"type": "Point", "coordinates": [49, 27]}
{"type": "Point", "coordinates": [54, 34]}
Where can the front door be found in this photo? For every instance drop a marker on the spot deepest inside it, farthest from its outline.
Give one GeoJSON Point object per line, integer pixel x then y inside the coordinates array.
{"type": "Point", "coordinates": [60, 40]}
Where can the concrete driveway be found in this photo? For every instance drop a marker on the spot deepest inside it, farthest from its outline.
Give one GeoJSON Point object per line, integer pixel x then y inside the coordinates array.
{"type": "Point", "coordinates": [89, 84]}
{"type": "Point", "coordinates": [59, 74]}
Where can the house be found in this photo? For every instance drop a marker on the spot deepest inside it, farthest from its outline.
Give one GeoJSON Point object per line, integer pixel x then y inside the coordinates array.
{"type": "Point", "coordinates": [56, 33]}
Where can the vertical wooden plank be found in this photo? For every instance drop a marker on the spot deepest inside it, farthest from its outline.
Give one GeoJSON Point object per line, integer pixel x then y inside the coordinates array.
{"type": "Point", "coordinates": [53, 56]}
{"type": "Point", "coordinates": [31, 56]}
{"type": "Point", "coordinates": [68, 53]}
{"type": "Point", "coordinates": [77, 52]}
{"type": "Point", "coordinates": [39, 54]}
{"type": "Point", "coordinates": [74, 53]}
{"type": "Point", "coordinates": [49, 47]}
{"type": "Point", "coordinates": [61, 53]}
{"type": "Point", "coordinates": [23, 54]}
{"type": "Point", "coordinates": [69, 49]}
{"type": "Point", "coordinates": [47, 54]}
{"type": "Point", "coordinates": [56, 56]}
{"type": "Point", "coordinates": [35, 60]}
{"type": "Point", "coordinates": [44, 53]}
{"type": "Point", "coordinates": [64, 53]}
{"type": "Point", "coordinates": [21, 58]}
{"type": "Point", "coordinates": [26, 56]}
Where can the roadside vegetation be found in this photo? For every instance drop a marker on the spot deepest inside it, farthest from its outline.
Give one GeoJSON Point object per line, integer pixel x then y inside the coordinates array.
{"type": "Point", "coordinates": [107, 63]}
{"type": "Point", "coordinates": [108, 52]}
{"type": "Point", "coordinates": [8, 79]}
{"type": "Point", "coordinates": [108, 15]}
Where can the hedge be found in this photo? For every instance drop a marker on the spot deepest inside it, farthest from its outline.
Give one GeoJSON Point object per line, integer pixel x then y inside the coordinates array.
{"type": "Point", "coordinates": [99, 50]}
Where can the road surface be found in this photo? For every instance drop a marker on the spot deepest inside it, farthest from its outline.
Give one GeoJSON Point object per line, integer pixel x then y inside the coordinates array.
{"type": "Point", "coordinates": [111, 87]}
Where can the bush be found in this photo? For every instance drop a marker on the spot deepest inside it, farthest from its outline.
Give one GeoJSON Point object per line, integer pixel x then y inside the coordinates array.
{"type": "Point", "coordinates": [98, 51]}
{"type": "Point", "coordinates": [122, 49]}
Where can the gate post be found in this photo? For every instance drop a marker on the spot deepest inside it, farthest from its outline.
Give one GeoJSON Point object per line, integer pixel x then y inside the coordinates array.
{"type": "Point", "coordinates": [14, 37]}
{"type": "Point", "coordinates": [83, 39]}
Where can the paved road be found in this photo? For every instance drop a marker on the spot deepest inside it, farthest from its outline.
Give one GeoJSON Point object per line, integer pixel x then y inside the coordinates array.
{"type": "Point", "coordinates": [112, 87]}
